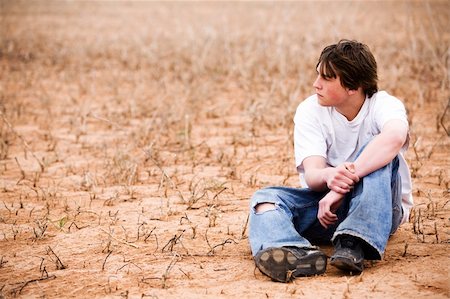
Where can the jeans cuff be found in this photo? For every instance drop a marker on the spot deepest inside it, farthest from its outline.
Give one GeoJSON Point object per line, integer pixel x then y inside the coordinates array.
{"type": "Point", "coordinates": [371, 251]}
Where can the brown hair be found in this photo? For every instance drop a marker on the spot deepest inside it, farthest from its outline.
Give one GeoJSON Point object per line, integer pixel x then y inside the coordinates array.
{"type": "Point", "coordinates": [353, 62]}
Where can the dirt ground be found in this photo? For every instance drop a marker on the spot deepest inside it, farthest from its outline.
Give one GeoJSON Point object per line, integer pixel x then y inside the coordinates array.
{"type": "Point", "coordinates": [132, 135]}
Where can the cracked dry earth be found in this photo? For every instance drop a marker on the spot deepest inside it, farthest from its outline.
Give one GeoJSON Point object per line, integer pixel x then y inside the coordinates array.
{"type": "Point", "coordinates": [132, 135]}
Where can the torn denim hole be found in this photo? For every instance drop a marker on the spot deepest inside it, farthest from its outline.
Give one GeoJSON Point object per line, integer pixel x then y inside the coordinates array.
{"type": "Point", "coordinates": [276, 206]}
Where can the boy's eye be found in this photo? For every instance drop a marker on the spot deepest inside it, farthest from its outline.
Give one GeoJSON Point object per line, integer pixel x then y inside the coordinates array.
{"type": "Point", "coordinates": [328, 78]}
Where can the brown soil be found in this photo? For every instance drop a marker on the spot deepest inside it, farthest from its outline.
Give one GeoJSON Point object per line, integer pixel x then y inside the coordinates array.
{"type": "Point", "coordinates": [132, 135]}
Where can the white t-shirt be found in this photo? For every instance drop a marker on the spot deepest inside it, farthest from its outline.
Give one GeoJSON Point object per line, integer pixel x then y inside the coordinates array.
{"type": "Point", "coordinates": [322, 131]}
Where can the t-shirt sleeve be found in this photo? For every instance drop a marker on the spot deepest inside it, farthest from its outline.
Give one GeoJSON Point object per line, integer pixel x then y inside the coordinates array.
{"type": "Point", "coordinates": [308, 135]}
{"type": "Point", "coordinates": [390, 108]}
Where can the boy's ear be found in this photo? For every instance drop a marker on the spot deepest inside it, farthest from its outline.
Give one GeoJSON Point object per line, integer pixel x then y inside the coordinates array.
{"type": "Point", "coordinates": [351, 91]}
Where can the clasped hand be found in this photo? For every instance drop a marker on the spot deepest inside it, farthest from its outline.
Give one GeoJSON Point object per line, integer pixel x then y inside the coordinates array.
{"type": "Point", "coordinates": [340, 181]}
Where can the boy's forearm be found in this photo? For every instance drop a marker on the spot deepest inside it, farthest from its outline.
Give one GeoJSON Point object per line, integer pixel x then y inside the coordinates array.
{"type": "Point", "coordinates": [316, 179]}
{"type": "Point", "coordinates": [321, 177]}
{"type": "Point", "coordinates": [379, 152]}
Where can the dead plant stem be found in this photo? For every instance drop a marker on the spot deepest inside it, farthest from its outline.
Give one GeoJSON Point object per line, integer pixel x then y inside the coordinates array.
{"type": "Point", "coordinates": [25, 144]}
{"type": "Point", "coordinates": [119, 240]}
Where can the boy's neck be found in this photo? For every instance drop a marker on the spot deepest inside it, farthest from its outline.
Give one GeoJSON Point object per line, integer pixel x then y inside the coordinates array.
{"type": "Point", "coordinates": [351, 107]}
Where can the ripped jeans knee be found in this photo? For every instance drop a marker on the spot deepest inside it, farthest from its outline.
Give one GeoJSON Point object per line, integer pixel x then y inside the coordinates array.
{"type": "Point", "coordinates": [262, 202]}
{"type": "Point", "coordinates": [264, 207]}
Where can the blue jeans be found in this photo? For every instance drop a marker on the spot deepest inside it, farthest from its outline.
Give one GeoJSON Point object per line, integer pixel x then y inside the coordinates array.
{"type": "Point", "coordinates": [371, 211]}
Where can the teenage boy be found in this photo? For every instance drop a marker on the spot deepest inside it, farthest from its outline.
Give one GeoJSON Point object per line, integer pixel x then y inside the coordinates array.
{"type": "Point", "coordinates": [349, 139]}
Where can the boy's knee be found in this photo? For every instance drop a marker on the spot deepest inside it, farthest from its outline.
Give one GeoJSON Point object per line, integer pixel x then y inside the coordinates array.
{"type": "Point", "coordinates": [264, 207]}
{"type": "Point", "coordinates": [262, 199]}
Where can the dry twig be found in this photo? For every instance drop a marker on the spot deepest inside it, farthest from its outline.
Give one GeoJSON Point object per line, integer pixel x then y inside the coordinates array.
{"type": "Point", "coordinates": [19, 290]}
{"type": "Point", "coordinates": [25, 144]}
{"type": "Point", "coordinates": [58, 262]}
{"type": "Point", "coordinates": [119, 240]}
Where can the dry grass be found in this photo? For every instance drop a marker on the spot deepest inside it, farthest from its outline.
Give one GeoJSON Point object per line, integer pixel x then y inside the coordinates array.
{"type": "Point", "coordinates": [133, 133]}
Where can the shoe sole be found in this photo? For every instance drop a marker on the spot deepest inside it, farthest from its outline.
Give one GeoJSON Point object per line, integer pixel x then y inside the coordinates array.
{"type": "Point", "coordinates": [282, 265]}
{"type": "Point", "coordinates": [346, 264]}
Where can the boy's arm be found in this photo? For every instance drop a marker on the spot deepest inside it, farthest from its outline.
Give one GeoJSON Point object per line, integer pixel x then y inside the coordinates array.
{"type": "Point", "coordinates": [382, 149]}
{"type": "Point", "coordinates": [378, 153]}
{"type": "Point", "coordinates": [321, 177]}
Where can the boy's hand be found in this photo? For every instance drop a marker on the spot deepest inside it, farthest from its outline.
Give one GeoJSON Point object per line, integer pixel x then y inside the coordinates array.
{"type": "Point", "coordinates": [341, 179]}
{"type": "Point", "coordinates": [327, 207]}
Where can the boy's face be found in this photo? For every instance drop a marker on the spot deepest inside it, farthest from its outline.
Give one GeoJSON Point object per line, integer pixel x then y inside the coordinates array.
{"type": "Point", "coordinates": [330, 91]}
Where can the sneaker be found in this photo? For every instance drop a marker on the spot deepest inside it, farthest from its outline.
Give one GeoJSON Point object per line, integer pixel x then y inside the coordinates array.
{"type": "Point", "coordinates": [348, 254]}
{"type": "Point", "coordinates": [285, 263]}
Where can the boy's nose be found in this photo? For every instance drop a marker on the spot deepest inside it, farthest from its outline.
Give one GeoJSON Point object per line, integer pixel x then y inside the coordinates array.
{"type": "Point", "coordinates": [316, 83]}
